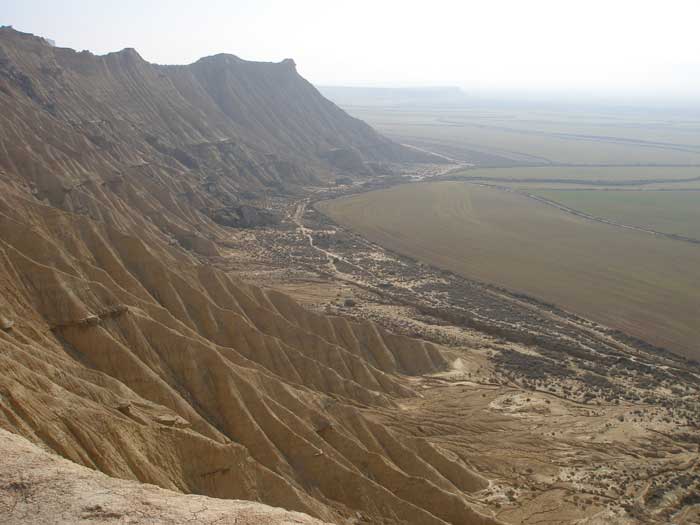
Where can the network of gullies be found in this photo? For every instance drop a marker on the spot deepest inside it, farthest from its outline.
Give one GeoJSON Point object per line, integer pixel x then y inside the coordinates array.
{"type": "Point", "coordinates": [174, 312]}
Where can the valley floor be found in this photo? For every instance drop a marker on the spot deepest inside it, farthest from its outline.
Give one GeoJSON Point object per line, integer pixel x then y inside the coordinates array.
{"type": "Point", "coordinates": [568, 420]}
{"type": "Point", "coordinates": [627, 278]}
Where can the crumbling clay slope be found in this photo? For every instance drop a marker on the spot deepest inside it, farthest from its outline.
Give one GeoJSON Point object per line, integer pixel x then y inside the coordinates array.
{"type": "Point", "coordinates": [38, 487]}
{"type": "Point", "coordinates": [124, 350]}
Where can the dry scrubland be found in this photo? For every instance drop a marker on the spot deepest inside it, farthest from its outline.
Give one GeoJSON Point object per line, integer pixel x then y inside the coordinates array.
{"type": "Point", "coordinates": [633, 281]}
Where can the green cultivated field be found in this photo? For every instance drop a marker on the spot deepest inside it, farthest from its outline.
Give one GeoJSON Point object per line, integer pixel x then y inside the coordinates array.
{"type": "Point", "coordinates": [675, 212]}
{"type": "Point", "coordinates": [645, 285]}
{"type": "Point", "coordinates": [610, 163]}
{"type": "Point", "coordinates": [586, 176]}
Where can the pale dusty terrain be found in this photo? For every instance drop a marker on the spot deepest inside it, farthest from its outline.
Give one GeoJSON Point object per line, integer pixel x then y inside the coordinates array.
{"type": "Point", "coordinates": [43, 488]}
{"type": "Point", "coordinates": [559, 413]}
{"type": "Point", "coordinates": [124, 349]}
{"type": "Point", "coordinates": [143, 333]}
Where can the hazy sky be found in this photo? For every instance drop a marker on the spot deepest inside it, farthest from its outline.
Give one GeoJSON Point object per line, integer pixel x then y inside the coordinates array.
{"type": "Point", "coordinates": [587, 45]}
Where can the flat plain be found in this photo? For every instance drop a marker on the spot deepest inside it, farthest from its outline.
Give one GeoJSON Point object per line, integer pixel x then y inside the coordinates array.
{"type": "Point", "coordinates": [625, 176]}
{"type": "Point", "coordinates": [633, 281]}
{"type": "Point", "coordinates": [672, 212]}
{"type": "Point", "coordinates": [499, 135]}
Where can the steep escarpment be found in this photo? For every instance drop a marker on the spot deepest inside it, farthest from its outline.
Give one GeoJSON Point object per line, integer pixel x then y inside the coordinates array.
{"type": "Point", "coordinates": [184, 141]}
{"type": "Point", "coordinates": [247, 123]}
{"type": "Point", "coordinates": [124, 350]}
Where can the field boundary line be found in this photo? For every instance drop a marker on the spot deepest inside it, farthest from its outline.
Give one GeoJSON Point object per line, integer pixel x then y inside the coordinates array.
{"type": "Point", "coordinates": [588, 216]}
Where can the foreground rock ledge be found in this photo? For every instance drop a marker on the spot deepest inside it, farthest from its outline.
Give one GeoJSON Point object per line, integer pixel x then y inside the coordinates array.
{"type": "Point", "coordinates": [39, 487]}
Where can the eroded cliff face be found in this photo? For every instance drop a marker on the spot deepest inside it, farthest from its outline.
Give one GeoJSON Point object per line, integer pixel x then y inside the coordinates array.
{"type": "Point", "coordinates": [123, 350]}
{"type": "Point", "coordinates": [74, 122]}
